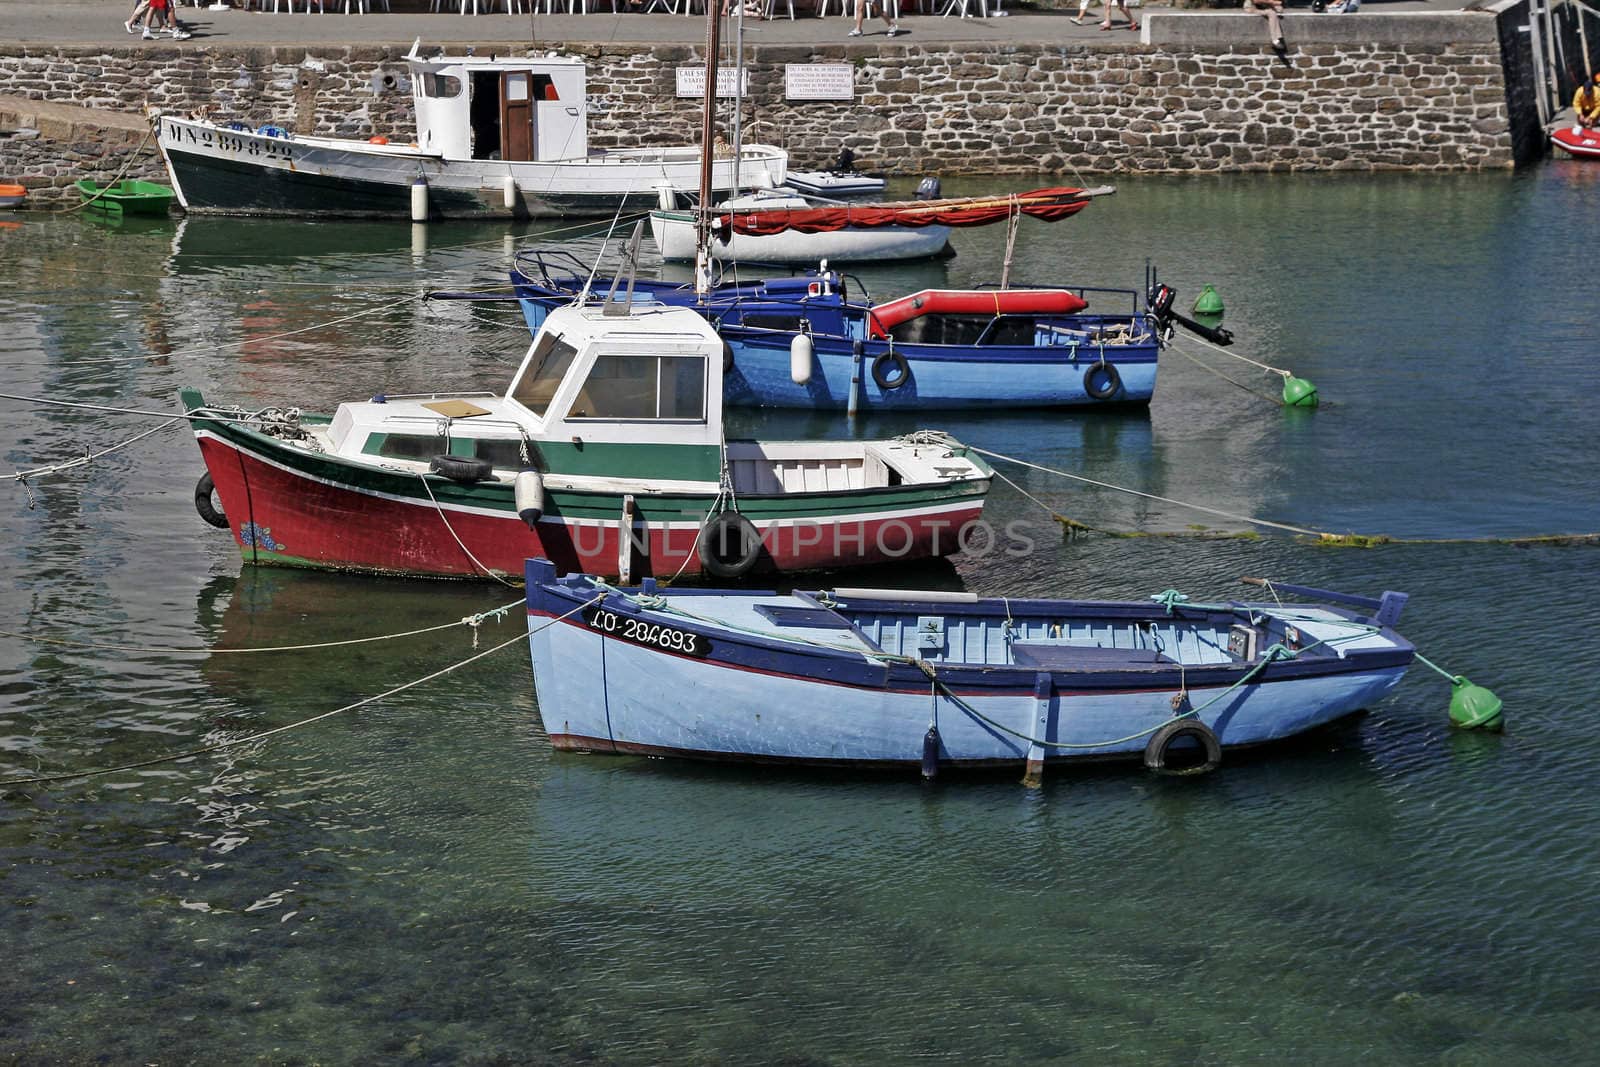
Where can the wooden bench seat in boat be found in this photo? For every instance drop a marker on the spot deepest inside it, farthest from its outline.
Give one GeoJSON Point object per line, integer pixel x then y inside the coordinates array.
{"type": "Point", "coordinates": [1079, 657]}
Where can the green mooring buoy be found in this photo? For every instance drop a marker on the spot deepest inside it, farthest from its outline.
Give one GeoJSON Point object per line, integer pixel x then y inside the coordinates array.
{"type": "Point", "coordinates": [1208, 302]}
{"type": "Point", "coordinates": [1472, 707]}
{"type": "Point", "coordinates": [1298, 393]}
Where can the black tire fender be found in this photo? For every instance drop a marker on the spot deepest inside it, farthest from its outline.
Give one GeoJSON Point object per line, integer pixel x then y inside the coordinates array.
{"type": "Point", "coordinates": [1101, 381]}
{"type": "Point", "coordinates": [890, 370]}
{"type": "Point", "coordinates": [202, 502]}
{"type": "Point", "coordinates": [1160, 743]}
{"type": "Point", "coordinates": [463, 469]}
{"type": "Point", "coordinates": [714, 549]}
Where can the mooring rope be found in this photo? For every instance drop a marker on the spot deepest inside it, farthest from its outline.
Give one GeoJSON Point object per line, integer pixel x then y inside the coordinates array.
{"type": "Point", "coordinates": [135, 154]}
{"type": "Point", "coordinates": [1149, 496]}
{"type": "Point", "coordinates": [85, 459]}
{"type": "Point", "coordinates": [1212, 370]}
{"type": "Point", "coordinates": [1321, 537]}
{"type": "Point", "coordinates": [469, 620]}
{"type": "Point", "coordinates": [496, 575]}
{"type": "Point", "coordinates": [191, 753]}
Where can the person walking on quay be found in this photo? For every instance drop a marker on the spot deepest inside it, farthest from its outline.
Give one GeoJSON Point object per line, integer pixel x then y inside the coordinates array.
{"type": "Point", "coordinates": [1586, 103]}
{"type": "Point", "coordinates": [883, 12]}
{"type": "Point", "coordinates": [141, 12]}
{"type": "Point", "coordinates": [1077, 20]}
{"type": "Point", "coordinates": [1122, 6]}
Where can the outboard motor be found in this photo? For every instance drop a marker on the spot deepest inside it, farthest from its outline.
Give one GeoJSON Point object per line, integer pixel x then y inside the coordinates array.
{"type": "Point", "coordinates": [1160, 299]}
{"type": "Point", "coordinates": [846, 163]}
{"type": "Point", "coordinates": [928, 189]}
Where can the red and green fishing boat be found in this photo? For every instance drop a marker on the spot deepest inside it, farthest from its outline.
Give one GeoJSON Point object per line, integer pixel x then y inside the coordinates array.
{"type": "Point", "coordinates": [605, 455]}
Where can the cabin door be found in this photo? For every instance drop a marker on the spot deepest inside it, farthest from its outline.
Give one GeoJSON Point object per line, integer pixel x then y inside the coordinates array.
{"type": "Point", "coordinates": [516, 115]}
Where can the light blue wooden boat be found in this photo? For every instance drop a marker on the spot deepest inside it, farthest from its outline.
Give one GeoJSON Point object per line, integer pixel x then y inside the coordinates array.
{"type": "Point", "coordinates": [871, 677]}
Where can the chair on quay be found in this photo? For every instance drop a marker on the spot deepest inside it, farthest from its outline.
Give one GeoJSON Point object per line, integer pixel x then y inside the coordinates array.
{"type": "Point", "coordinates": [364, 6]}
{"type": "Point", "coordinates": [769, 8]}
{"type": "Point", "coordinates": [513, 7]}
{"type": "Point", "coordinates": [963, 8]}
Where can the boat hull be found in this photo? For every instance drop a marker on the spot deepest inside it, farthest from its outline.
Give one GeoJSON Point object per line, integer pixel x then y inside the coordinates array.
{"type": "Point", "coordinates": [237, 172]}
{"type": "Point", "coordinates": [999, 376]}
{"type": "Point", "coordinates": [674, 237]}
{"type": "Point", "coordinates": [1577, 141]}
{"type": "Point", "coordinates": [290, 507]}
{"type": "Point", "coordinates": [759, 701]}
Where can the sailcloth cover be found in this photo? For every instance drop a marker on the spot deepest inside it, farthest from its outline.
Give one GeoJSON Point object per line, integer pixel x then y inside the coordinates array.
{"type": "Point", "coordinates": [1050, 205]}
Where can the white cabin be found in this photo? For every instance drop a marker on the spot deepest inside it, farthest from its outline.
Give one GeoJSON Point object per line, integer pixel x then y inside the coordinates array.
{"type": "Point", "coordinates": [501, 107]}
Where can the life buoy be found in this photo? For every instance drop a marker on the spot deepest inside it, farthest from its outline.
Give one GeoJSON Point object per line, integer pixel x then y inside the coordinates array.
{"type": "Point", "coordinates": [202, 502]}
{"type": "Point", "coordinates": [1160, 744]}
{"type": "Point", "coordinates": [890, 370]}
{"type": "Point", "coordinates": [730, 545]}
{"type": "Point", "coordinates": [972, 302]}
{"type": "Point", "coordinates": [463, 469]}
{"type": "Point", "coordinates": [1101, 381]}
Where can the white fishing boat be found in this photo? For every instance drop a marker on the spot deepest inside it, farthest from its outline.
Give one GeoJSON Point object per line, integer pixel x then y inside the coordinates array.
{"type": "Point", "coordinates": [495, 137]}
{"type": "Point", "coordinates": [674, 233]}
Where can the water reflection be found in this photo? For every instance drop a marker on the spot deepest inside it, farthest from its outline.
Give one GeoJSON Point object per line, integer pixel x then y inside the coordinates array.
{"type": "Point", "coordinates": [424, 880]}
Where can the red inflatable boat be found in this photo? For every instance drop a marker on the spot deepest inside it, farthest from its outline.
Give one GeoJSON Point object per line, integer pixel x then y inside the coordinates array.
{"type": "Point", "coordinates": [1577, 141]}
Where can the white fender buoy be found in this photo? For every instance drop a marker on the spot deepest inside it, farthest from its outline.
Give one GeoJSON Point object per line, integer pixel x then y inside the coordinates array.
{"type": "Point", "coordinates": [529, 492]}
{"type": "Point", "coordinates": [419, 199]}
{"type": "Point", "coordinates": [508, 188]}
{"type": "Point", "coordinates": [800, 359]}
{"type": "Point", "coordinates": [666, 197]}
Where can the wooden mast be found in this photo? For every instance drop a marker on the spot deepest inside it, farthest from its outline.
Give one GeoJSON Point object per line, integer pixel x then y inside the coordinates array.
{"type": "Point", "coordinates": [702, 226]}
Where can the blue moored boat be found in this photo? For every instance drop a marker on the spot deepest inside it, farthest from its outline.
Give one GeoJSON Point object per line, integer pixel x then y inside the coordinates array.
{"type": "Point", "coordinates": [804, 342]}
{"type": "Point", "coordinates": [877, 677]}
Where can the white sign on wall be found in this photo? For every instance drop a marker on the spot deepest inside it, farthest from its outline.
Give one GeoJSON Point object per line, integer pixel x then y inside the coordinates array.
{"type": "Point", "coordinates": [819, 81]}
{"type": "Point", "coordinates": [692, 81]}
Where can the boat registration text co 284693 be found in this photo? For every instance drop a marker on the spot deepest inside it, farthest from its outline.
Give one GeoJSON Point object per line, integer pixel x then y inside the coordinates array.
{"type": "Point", "coordinates": [650, 634]}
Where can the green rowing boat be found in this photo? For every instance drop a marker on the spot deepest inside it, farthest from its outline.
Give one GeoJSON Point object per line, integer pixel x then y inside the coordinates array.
{"type": "Point", "coordinates": [130, 196]}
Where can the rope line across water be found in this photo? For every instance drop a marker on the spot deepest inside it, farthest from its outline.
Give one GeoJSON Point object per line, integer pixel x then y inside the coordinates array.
{"type": "Point", "coordinates": [469, 620]}
{"type": "Point", "coordinates": [191, 753]}
{"type": "Point", "coordinates": [1321, 537]}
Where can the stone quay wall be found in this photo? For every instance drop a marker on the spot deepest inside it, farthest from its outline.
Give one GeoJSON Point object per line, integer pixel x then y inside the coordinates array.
{"type": "Point", "coordinates": [1197, 93]}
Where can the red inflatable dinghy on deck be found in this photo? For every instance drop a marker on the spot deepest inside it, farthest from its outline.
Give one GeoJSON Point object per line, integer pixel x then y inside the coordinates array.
{"type": "Point", "coordinates": [1577, 141]}
{"type": "Point", "coordinates": [972, 302]}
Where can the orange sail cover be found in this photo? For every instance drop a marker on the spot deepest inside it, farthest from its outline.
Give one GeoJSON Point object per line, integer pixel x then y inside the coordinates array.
{"type": "Point", "coordinates": [1047, 204]}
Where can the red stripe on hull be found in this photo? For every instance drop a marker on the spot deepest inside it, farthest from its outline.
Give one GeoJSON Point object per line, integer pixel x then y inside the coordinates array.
{"type": "Point", "coordinates": [278, 516]}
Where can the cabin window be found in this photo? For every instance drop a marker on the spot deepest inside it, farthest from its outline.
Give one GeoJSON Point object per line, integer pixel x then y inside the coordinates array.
{"type": "Point", "coordinates": [440, 85]}
{"type": "Point", "coordinates": [406, 445]}
{"type": "Point", "coordinates": [643, 387]}
{"type": "Point", "coordinates": [504, 455]}
{"type": "Point", "coordinates": [965, 330]}
{"type": "Point", "coordinates": [544, 88]}
{"type": "Point", "coordinates": [771, 321]}
{"type": "Point", "coordinates": [516, 87]}
{"type": "Point", "coordinates": [551, 359]}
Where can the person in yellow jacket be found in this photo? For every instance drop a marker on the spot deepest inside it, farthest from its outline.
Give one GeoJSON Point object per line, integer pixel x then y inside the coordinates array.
{"type": "Point", "coordinates": [1586, 103]}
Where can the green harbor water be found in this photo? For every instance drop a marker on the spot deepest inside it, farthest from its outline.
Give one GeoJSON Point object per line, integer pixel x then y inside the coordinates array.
{"type": "Point", "coordinates": [422, 880]}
